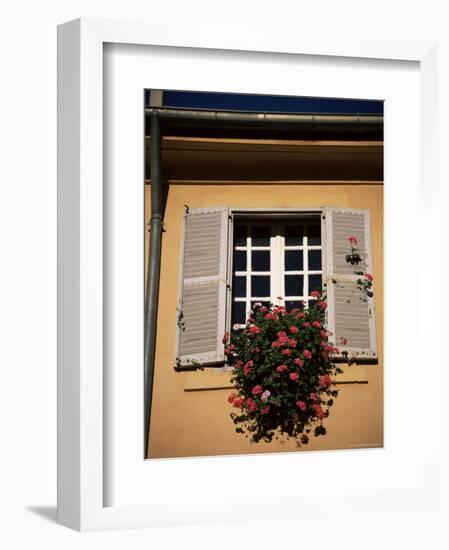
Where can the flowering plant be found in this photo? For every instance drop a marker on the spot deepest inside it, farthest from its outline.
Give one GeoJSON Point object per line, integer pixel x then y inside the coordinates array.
{"type": "Point", "coordinates": [366, 283]}
{"type": "Point", "coordinates": [283, 374]}
{"type": "Point", "coordinates": [354, 256]}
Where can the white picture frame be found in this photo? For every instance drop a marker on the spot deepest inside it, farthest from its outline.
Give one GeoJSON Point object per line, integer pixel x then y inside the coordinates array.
{"type": "Point", "coordinates": [82, 490]}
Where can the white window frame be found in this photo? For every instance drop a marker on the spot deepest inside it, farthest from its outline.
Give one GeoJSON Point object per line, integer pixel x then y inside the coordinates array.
{"type": "Point", "coordinates": [277, 249]}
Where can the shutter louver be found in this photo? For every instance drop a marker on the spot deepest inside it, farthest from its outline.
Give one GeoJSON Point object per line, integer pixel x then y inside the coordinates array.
{"type": "Point", "coordinates": [351, 310]}
{"type": "Point", "coordinates": [202, 301]}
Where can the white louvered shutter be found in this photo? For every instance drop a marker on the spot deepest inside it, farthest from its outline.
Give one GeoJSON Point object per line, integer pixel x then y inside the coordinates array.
{"type": "Point", "coordinates": [350, 311]}
{"type": "Point", "coordinates": [203, 287]}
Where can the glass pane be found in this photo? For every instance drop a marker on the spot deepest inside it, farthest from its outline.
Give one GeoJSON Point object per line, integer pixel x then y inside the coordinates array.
{"type": "Point", "coordinates": [294, 260]}
{"type": "Point", "coordinates": [294, 235]}
{"type": "Point", "coordinates": [260, 260]}
{"type": "Point", "coordinates": [294, 304]}
{"type": "Point", "coordinates": [315, 283]}
{"type": "Point", "coordinates": [240, 260]}
{"type": "Point", "coordinates": [294, 285]}
{"type": "Point", "coordinates": [260, 235]}
{"type": "Point", "coordinates": [315, 260]}
{"type": "Point", "coordinates": [238, 313]}
{"type": "Point", "coordinates": [314, 234]}
{"type": "Point", "coordinates": [240, 235]}
{"type": "Point", "coordinates": [260, 286]}
{"type": "Point", "coordinates": [239, 287]}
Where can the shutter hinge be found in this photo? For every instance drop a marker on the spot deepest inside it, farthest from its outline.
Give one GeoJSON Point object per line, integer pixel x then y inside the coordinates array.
{"type": "Point", "coordinates": [186, 209]}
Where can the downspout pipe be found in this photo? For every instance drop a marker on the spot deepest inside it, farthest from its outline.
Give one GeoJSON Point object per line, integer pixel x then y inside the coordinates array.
{"type": "Point", "coordinates": [153, 270]}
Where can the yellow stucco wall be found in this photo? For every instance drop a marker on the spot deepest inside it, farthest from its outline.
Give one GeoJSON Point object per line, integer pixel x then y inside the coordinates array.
{"type": "Point", "coordinates": [190, 411]}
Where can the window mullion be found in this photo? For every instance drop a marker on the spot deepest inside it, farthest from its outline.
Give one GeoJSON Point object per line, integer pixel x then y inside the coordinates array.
{"type": "Point", "coordinates": [305, 260]}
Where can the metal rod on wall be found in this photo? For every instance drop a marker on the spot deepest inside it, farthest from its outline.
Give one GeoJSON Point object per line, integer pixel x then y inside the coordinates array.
{"type": "Point", "coordinates": [153, 273]}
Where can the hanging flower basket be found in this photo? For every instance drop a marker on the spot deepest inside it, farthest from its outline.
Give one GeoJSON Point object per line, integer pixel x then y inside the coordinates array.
{"type": "Point", "coordinates": [283, 373]}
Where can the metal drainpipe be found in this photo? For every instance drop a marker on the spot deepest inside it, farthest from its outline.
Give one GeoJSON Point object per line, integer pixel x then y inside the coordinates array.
{"type": "Point", "coordinates": [153, 273]}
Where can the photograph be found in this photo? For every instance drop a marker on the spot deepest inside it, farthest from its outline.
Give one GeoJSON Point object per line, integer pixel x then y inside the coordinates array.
{"type": "Point", "coordinates": [263, 274]}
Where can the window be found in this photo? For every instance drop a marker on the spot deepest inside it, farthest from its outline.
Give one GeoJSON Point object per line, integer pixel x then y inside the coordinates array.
{"type": "Point", "coordinates": [272, 259]}
{"type": "Point", "coordinates": [231, 259]}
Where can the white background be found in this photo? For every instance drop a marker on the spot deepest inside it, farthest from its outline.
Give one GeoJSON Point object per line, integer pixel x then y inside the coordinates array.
{"type": "Point", "coordinates": [28, 274]}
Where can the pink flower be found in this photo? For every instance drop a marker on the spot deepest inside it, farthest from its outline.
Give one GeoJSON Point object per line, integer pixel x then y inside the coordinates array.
{"type": "Point", "coordinates": [238, 364]}
{"type": "Point", "coordinates": [306, 324]}
{"type": "Point", "coordinates": [247, 367]}
{"type": "Point", "coordinates": [322, 304]}
{"type": "Point", "coordinates": [225, 337]}
{"type": "Point", "coordinates": [323, 334]}
{"type": "Point", "coordinates": [281, 368]}
{"type": "Point", "coordinates": [344, 340]}
{"type": "Point", "coordinates": [263, 309]}
{"type": "Point", "coordinates": [251, 404]}
{"type": "Point", "coordinates": [292, 343]}
{"type": "Point", "coordinates": [316, 324]}
{"type": "Point", "coordinates": [250, 320]}
{"type": "Point", "coordinates": [252, 407]}
{"type": "Point", "coordinates": [318, 411]}
{"type": "Point", "coordinates": [352, 240]}
{"type": "Point", "coordinates": [238, 402]}
{"type": "Point", "coordinates": [294, 376]}
{"type": "Point", "coordinates": [270, 316]}
{"type": "Point", "coordinates": [307, 354]}
{"type": "Point", "coordinates": [325, 381]}
{"type": "Point", "coordinates": [286, 352]}
{"type": "Point", "coordinates": [265, 409]}
{"type": "Point", "coordinates": [300, 315]}
{"type": "Point", "coordinates": [294, 330]}
{"type": "Point", "coordinates": [301, 405]}
{"type": "Point", "coordinates": [315, 294]}
{"type": "Point", "coordinates": [232, 397]}
{"type": "Point", "coordinates": [257, 390]}
{"type": "Point", "coordinates": [299, 362]}
{"type": "Point", "coordinates": [276, 345]}
{"type": "Point", "coordinates": [369, 276]}
{"type": "Point", "coordinates": [266, 394]}
{"type": "Point", "coordinates": [313, 396]}
{"type": "Point", "coordinates": [254, 330]}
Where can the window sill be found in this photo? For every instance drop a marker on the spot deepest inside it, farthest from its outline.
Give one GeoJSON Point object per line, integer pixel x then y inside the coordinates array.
{"type": "Point", "coordinates": [216, 378]}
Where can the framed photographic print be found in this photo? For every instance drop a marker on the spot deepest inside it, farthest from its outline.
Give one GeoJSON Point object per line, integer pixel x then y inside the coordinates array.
{"type": "Point", "coordinates": [232, 227]}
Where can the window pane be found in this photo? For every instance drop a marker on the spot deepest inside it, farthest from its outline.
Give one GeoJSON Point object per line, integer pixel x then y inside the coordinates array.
{"type": "Point", "coordinates": [240, 235]}
{"type": "Point", "coordinates": [315, 260]}
{"type": "Point", "coordinates": [294, 285]}
{"type": "Point", "coordinates": [260, 286]}
{"type": "Point", "coordinates": [294, 260]}
{"type": "Point", "coordinates": [260, 260]}
{"type": "Point", "coordinates": [240, 260]}
{"type": "Point", "coordinates": [315, 283]}
{"type": "Point", "coordinates": [294, 304]}
{"type": "Point", "coordinates": [260, 235]}
{"type": "Point", "coordinates": [239, 287]}
{"type": "Point", "coordinates": [294, 235]}
{"type": "Point", "coordinates": [239, 313]}
{"type": "Point", "coordinates": [314, 234]}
